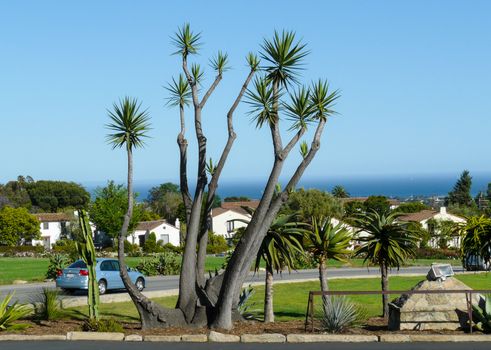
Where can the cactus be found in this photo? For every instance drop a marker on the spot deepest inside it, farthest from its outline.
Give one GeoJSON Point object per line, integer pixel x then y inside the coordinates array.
{"type": "Point", "coordinates": [86, 249]}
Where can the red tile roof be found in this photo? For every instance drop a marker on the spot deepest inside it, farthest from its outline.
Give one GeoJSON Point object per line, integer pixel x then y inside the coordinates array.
{"type": "Point", "coordinates": [235, 206]}
{"type": "Point", "coordinates": [53, 217]}
{"type": "Point", "coordinates": [150, 225]}
{"type": "Point", "coordinates": [419, 216]}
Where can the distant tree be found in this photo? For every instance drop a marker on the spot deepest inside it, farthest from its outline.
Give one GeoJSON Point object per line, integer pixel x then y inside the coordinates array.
{"type": "Point", "coordinates": [411, 207]}
{"type": "Point", "coordinates": [340, 192]}
{"type": "Point", "coordinates": [52, 196]}
{"type": "Point", "coordinates": [14, 194]}
{"type": "Point", "coordinates": [109, 207]}
{"type": "Point", "coordinates": [352, 208]}
{"type": "Point", "coordinates": [388, 244]}
{"type": "Point", "coordinates": [216, 244]}
{"type": "Point", "coordinates": [17, 226]}
{"type": "Point", "coordinates": [313, 202]}
{"type": "Point", "coordinates": [476, 237]}
{"type": "Point", "coordinates": [165, 200]}
{"type": "Point", "coordinates": [461, 193]}
{"type": "Point", "coordinates": [237, 199]}
{"type": "Point", "coordinates": [488, 192]}
{"type": "Point", "coordinates": [380, 204]}
{"type": "Point", "coordinates": [145, 213]}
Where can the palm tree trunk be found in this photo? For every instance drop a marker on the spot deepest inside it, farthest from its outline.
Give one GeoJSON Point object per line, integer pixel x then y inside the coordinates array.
{"type": "Point", "coordinates": [268, 296]}
{"type": "Point", "coordinates": [385, 286]}
{"type": "Point", "coordinates": [323, 275]}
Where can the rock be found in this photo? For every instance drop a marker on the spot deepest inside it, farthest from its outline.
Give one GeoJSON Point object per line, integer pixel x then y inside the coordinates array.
{"type": "Point", "coordinates": [194, 338]}
{"type": "Point", "coordinates": [32, 337]}
{"type": "Point", "coordinates": [19, 282]}
{"type": "Point", "coordinates": [95, 336]}
{"type": "Point", "coordinates": [133, 337]}
{"type": "Point", "coordinates": [223, 338]}
{"type": "Point", "coordinates": [163, 338]}
{"type": "Point", "coordinates": [263, 338]}
{"type": "Point", "coordinates": [321, 338]}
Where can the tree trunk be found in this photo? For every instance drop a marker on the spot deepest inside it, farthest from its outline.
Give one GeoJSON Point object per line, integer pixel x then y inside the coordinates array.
{"type": "Point", "coordinates": [385, 286]}
{"type": "Point", "coordinates": [323, 275]}
{"type": "Point", "coordinates": [268, 296]}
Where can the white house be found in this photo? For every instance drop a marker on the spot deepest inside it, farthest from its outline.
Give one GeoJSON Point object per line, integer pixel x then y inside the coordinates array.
{"type": "Point", "coordinates": [53, 225]}
{"type": "Point", "coordinates": [164, 231]}
{"type": "Point", "coordinates": [224, 218]}
{"type": "Point", "coordinates": [423, 218]}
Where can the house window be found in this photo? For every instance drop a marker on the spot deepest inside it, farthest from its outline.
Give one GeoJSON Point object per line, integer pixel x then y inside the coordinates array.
{"type": "Point", "coordinates": [45, 225]}
{"type": "Point", "coordinates": [230, 226]}
{"type": "Point", "coordinates": [164, 238]}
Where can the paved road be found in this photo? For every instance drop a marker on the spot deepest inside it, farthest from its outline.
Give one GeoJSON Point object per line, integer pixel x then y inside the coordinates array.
{"type": "Point", "coordinates": [82, 345]}
{"type": "Point", "coordinates": [27, 292]}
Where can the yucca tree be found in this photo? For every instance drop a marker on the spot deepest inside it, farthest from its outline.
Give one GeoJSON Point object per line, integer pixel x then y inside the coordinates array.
{"type": "Point", "coordinates": [282, 241]}
{"type": "Point", "coordinates": [386, 243]}
{"type": "Point", "coordinates": [129, 126]}
{"type": "Point", "coordinates": [476, 237]}
{"type": "Point", "coordinates": [326, 240]}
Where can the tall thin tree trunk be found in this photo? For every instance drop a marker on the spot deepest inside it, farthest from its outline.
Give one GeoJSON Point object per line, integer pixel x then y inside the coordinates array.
{"type": "Point", "coordinates": [385, 286]}
{"type": "Point", "coordinates": [268, 296]}
{"type": "Point", "coordinates": [323, 275]}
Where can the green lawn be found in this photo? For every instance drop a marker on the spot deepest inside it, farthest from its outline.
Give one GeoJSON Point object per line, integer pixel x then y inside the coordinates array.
{"type": "Point", "coordinates": [290, 300]}
{"type": "Point", "coordinates": [34, 269]}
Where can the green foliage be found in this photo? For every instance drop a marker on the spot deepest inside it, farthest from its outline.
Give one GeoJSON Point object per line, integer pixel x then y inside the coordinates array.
{"type": "Point", "coordinates": [86, 250]}
{"type": "Point", "coordinates": [313, 202]}
{"type": "Point", "coordinates": [464, 210]}
{"type": "Point", "coordinates": [131, 249]}
{"type": "Point", "coordinates": [66, 247]}
{"type": "Point", "coordinates": [216, 244]}
{"type": "Point", "coordinates": [244, 304]}
{"type": "Point", "coordinates": [11, 313]}
{"type": "Point", "coordinates": [388, 243]}
{"type": "Point", "coordinates": [57, 262]}
{"type": "Point", "coordinates": [186, 41]}
{"type": "Point", "coordinates": [461, 193]}
{"type": "Point", "coordinates": [165, 200]}
{"type": "Point", "coordinates": [52, 196]}
{"type": "Point", "coordinates": [179, 95]}
{"type": "Point", "coordinates": [339, 192]}
{"type": "Point", "coordinates": [151, 245]}
{"type": "Point", "coordinates": [21, 251]}
{"type": "Point", "coordinates": [476, 237]}
{"type": "Point", "coordinates": [102, 325]}
{"type": "Point", "coordinates": [47, 306]}
{"type": "Point", "coordinates": [109, 208]}
{"type": "Point", "coordinates": [411, 207]}
{"type": "Point", "coordinates": [14, 193]}
{"type": "Point", "coordinates": [339, 313]}
{"type": "Point", "coordinates": [17, 226]}
{"type": "Point", "coordinates": [482, 315]}
{"type": "Point", "coordinates": [237, 199]}
{"type": "Point", "coordinates": [380, 204]}
{"type": "Point", "coordinates": [165, 263]}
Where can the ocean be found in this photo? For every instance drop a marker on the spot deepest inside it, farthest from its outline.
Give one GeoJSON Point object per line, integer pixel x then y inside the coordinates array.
{"type": "Point", "coordinates": [390, 186]}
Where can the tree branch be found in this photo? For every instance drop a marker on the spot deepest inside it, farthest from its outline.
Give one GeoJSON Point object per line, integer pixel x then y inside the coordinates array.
{"type": "Point", "coordinates": [210, 90]}
{"type": "Point", "coordinates": [191, 82]}
{"type": "Point", "coordinates": [183, 145]}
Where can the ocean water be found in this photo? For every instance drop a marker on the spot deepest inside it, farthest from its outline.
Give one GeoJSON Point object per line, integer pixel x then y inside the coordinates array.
{"type": "Point", "coordinates": [394, 186]}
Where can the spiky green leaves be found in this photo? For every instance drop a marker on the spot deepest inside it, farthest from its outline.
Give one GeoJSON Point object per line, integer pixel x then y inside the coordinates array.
{"type": "Point", "coordinates": [197, 73]}
{"type": "Point", "coordinates": [186, 41]}
{"type": "Point", "coordinates": [299, 110]}
{"type": "Point", "coordinates": [179, 92]}
{"type": "Point", "coordinates": [304, 149]}
{"type": "Point", "coordinates": [220, 62]}
{"type": "Point", "coordinates": [322, 99]}
{"type": "Point", "coordinates": [260, 98]}
{"type": "Point", "coordinates": [327, 240]}
{"type": "Point", "coordinates": [129, 124]}
{"type": "Point", "coordinates": [284, 58]}
{"type": "Point", "coordinates": [253, 61]}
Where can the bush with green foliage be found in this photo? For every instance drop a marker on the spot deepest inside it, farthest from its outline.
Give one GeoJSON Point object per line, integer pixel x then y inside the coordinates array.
{"type": "Point", "coordinates": [165, 263]}
{"type": "Point", "coordinates": [11, 313]}
{"type": "Point", "coordinates": [411, 207]}
{"type": "Point", "coordinates": [216, 244]}
{"type": "Point", "coordinates": [433, 253]}
{"type": "Point", "coordinates": [47, 305]}
{"type": "Point", "coordinates": [17, 226]}
{"type": "Point", "coordinates": [482, 315]}
{"type": "Point", "coordinates": [102, 325]}
{"type": "Point", "coordinates": [131, 249]}
{"type": "Point", "coordinates": [66, 247]}
{"type": "Point", "coordinates": [339, 313]}
{"type": "Point", "coordinates": [57, 262]}
{"type": "Point", "coordinates": [151, 245]}
{"type": "Point", "coordinates": [21, 251]}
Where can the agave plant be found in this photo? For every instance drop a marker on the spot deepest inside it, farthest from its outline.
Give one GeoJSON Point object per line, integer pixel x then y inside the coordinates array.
{"type": "Point", "coordinates": [47, 305]}
{"type": "Point", "coordinates": [482, 316]}
{"type": "Point", "coordinates": [10, 313]}
{"type": "Point", "coordinates": [338, 314]}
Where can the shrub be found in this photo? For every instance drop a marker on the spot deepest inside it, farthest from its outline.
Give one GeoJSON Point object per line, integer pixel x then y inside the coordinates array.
{"type": "Point", "coordinates": [432, 253]}
{"type": "Point", "coordinates": [166, 263]}
{"type": "Point", "coordinates": [131, 249]}
{"type": "Point", "coordinates": [14, 312]}
{"type": "Point", "coordinates": [66, 247]}
{"type": "Point", "coordinates": [304, 261]}
{"type": "Point", "coordinates": [151, 245]}
{"type": "Point", "coordinates": [243, 306]}
{"type": "Point", "coordinates": [47, 306]}
{"type": "Point", "coordinates": [216, 244]}
{"type": "Point", "coordinates": [57, 262]}
{"type": "Point", "coordinates": [338, 314]}
{"type": "Point", "coordinates": [21, 251]}
{"type": "Point", "coordinates": [102, 325]}
{"type": "Point", "coordinates": [482, 315]}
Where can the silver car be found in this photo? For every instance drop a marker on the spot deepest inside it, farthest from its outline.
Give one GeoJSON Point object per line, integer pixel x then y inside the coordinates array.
{"type": "Point", "coordinates": [76, 276]}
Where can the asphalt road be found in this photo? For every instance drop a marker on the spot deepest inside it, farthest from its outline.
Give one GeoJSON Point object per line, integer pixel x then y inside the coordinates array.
{"type": "Point", "coordinates": [83, 345]}
{"type": "Point", "coordinates": [27, 292]}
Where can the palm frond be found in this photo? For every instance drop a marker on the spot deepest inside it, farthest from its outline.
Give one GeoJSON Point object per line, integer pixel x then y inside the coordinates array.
{"type": "Point", "coordinates": [260, 98]}
{"type": "Point", "coordinates": [220, 62]}
{"type": "Point", "coordinates": [186, 41]}
{"type": "Point", "coordinates": [323, 100]}
{"type": "Point", "coordinates": [179, 92]}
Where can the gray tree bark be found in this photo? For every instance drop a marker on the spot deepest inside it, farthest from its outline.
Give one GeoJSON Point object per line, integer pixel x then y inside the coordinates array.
{"type": "Point", "coordinates": [385, 286]}
{"type": "Point", "coordinates": [268, 296]}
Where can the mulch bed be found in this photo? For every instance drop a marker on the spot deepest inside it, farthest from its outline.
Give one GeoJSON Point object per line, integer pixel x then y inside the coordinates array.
{"type": "Point", "coordinates": [374, 326]}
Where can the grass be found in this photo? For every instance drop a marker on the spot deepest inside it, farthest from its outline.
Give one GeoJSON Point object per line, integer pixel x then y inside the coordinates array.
{"type": "Point", "coordinates": [34, 269]}
{"type": "Point", "coordinates": [290, 299]}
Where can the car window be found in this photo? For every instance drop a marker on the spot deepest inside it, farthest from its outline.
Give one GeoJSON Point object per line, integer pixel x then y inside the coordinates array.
{"type": "Point", "coordinates": [78, 265]}
{"type": "Point", "coordinates": [106, 266]}
{"type": "Point", "coordinates": [114, 266]}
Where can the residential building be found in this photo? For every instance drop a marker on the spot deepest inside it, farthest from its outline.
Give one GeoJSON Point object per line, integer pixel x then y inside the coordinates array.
{"type": "Point", "coordinates": [53, 227]}
{"type": "Point", "coordinates": [164, 232]}
{"type": "Point", "coordinates": [230, 216]}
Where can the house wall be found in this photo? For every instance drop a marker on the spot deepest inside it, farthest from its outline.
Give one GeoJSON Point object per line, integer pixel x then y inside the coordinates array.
{"type": "Point", "coordinates": [444, 216]}
{"type": "Point", "coordinates": [50, 235]}
{"type": "Point", "coordinates": [220, 223]}
{"type": "Point", "coordinates": [160, 231]}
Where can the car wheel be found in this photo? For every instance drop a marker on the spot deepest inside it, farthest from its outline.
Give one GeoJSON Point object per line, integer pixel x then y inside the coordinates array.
{"type": "Point", "coordinates": [140, 284]}
{"type": "Point", "coordinates": [102, 287]}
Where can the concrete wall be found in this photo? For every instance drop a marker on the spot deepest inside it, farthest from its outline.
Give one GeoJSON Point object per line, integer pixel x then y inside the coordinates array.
{"type": "Point", "coordinates": [160, 231]}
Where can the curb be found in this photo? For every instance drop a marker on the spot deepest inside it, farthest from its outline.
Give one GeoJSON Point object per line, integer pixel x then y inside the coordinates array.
{"type": "Point", "coordinates": [216, 337]}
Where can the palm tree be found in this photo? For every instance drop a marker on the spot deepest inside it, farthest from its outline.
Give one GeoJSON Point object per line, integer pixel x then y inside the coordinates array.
{"type": "Point", "coordinates": [278, 248]}
{"type": "Point", "coordinates": [339, 192]}
{"type": "Point", "coordinates": [129, 127]}
{"type": "Point", "coordinates": [476, 238]}
{"type": "Point", "coordinates": [386, 243]}
{"type": "Point", "coordinates": [325, 241]}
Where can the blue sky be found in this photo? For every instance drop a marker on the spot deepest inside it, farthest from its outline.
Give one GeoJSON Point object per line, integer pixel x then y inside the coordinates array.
{"type": "Point", "coordinates": [414, 77]}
